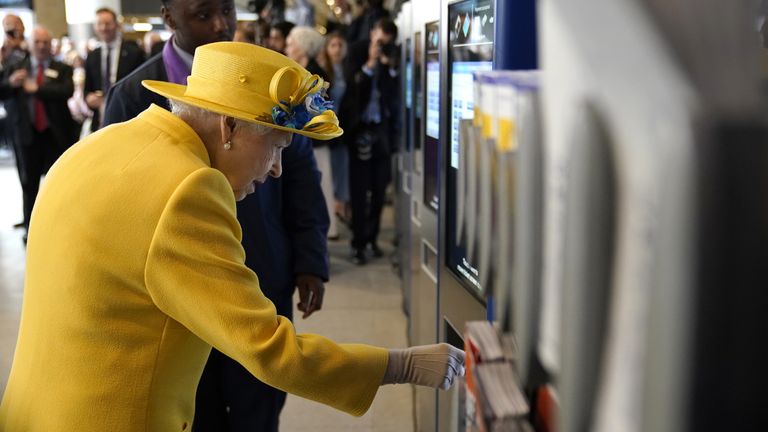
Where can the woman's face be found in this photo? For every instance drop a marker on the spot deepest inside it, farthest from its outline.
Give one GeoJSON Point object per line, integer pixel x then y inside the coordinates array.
{"type": "Point", "coordinates": [336, 49]}
{"type": "Point", "coordinates": [276, 40]}
{"type": "Point", "coordinates": [293, 51]}
{"type": "Point", "coordinates": [251, 158]}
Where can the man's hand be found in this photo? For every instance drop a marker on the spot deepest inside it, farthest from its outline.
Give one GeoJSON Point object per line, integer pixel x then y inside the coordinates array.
{"type": "Point", "coordinates": [18, 77]}
{"type": "Point", "coordinates": [311, 291]}
{"type": "Point", "coordinates": [30, 86]}
{"type": "Point", "coordinates": [94, 100]}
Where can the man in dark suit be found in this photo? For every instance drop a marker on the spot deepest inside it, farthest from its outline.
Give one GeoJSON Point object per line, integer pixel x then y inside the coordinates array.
{"type": "Point", "coordinates": [13, 50]}
{"type": "Point", "coordinates": [107, 64]}
{"type": "Point", "coordinates": [369, 118]}
{"type": "Point", "coordinates": [284, 222]}
{"type": "Point", "coordinates": [35, 90]}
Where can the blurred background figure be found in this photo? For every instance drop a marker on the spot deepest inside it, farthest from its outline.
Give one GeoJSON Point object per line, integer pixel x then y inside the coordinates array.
{"type": "Point", "coordinates": [300, 12]}
{"type": "Point", "coordinates": [273, 11]}
{"type": "Point", "coordinates": [67, 46]}
{"type": "Point", "coordinates": [56, 49]}
{"type": "Point", "coordinates": [77, 106]}
{"type": "Point", "coordinates": [111, 61]}
{"type": "Point", "coordinates": [332, 60]}
{"type": "Point", "coordinates": [369, 119]}
{"type": "Point", "coordinates": [261, 32]}
{"type": "Point", "coordinates": [13, 52]}
{"type": "Point", "coordinates": [153, 44]}
{"type": "Point", "coordinates": [373, 11]}
{"type": "Point", "coordinates": [277, 35]}
{"type": "Point", "coordinates": [14, 47]}
{"type": "Point", "coordinates": [339, 16]}
{"type": "Point", "coordinates": [36, 90]}
{"type": "Point", "coordinates": [245, 33]}
{"type": "Point", "coordinates": [303, 45]}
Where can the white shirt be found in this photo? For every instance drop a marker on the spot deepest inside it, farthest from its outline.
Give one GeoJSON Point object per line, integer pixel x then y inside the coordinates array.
{"type": "Point", "coordinates": [113, 61]}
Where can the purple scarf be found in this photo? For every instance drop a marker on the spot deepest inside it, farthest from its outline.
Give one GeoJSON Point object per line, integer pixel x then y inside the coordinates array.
{"type": "Point", "coordinates": [175, 66]}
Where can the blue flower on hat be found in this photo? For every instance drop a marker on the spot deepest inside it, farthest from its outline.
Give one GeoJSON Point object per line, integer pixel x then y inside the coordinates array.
{"type": "Point", "coordinates": [298, 115]}
{"type": "Point", "coordinates": [317, 104]}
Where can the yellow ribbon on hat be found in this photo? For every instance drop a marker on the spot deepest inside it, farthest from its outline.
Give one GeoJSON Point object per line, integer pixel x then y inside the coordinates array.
{"type": "Point", "coordinates": [327, 122]}
{"type": "Point", "coordinates": [290, 77]}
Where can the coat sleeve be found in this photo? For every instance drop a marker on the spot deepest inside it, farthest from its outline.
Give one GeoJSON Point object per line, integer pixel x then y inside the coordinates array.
{"type": "Point", "coordinates": [6, 91]}
{"type": "Point", "coordinates": [195, 274]}
{"type": "Point", "coordinates": [306, 215]}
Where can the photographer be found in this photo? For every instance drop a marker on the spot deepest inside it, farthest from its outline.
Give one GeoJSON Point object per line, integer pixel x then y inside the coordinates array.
{"type": "Point", "coordinates": [369, 116]}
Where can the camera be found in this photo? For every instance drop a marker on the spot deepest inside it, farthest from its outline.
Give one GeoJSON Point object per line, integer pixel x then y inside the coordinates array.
{"type": "Point", "coordinates": [389, 50]}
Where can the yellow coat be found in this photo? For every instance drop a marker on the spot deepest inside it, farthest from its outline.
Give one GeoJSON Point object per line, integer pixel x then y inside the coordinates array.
{"type": "Point", "coordinates": [134, 270]}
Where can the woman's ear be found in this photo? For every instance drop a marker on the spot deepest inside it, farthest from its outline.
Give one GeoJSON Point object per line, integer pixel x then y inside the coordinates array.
{"type": "Point", "coordinates": [227, 126]}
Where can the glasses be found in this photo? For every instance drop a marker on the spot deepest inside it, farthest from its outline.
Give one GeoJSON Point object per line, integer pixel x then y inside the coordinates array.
{"type": "Point", "coordinates": [13, 34]}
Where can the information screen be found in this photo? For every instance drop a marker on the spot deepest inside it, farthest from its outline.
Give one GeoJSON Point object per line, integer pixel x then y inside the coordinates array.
{"type": "Point", "coordinates": [432, 131]}
{"type": "Point", "coordinates": [470, 49]}
{"type": "Point", "coordinates": [418, 90]}
{"type": "Point", "coordinates": [408, 85]}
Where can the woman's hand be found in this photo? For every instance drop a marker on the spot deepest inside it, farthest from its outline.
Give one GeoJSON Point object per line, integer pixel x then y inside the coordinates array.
{"type": "Point", "coordinates": [435, 366]}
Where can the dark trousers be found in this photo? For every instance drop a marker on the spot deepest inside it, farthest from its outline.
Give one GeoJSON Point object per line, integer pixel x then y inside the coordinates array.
{"type": "Point", "coordinates": [32, 162]}
{"type": "Point", "coordinates": [368, 180]}
{"type": "Point", "coordinates": [231, 399]}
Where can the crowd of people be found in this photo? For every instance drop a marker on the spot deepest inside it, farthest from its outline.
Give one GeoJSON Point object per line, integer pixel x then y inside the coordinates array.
{"type": "Point", "coordinates": [55, 96]}
{"type": "Point", "coordinates": [360, 65]}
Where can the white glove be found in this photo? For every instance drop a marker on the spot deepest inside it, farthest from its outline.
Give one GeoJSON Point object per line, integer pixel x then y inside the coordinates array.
{"type": "Point", "coordinates": [433, 366]}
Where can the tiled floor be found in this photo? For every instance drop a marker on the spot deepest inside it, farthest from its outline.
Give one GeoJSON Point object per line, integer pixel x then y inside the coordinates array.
{"type": "Point", "coordinates": [11, 263]}
{"type": "Point", "coordinates": [362, 304]}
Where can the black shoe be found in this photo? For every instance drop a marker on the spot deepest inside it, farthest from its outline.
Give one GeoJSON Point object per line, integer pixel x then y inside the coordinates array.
{"type": "Point", "coordinates": [19, 225]}
{"type": "Point", "coordinates": [377, 252]}
{"type": "Point", "coordinates": [358, 257]}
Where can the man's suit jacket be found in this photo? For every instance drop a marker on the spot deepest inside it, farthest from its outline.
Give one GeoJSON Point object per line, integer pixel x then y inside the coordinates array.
{"type": "Point", "coordinates": [131, 57]}
{"type": "Point", "coordinates": [56, 89]}
{"type": "Point", "coordinates": [285, 222]}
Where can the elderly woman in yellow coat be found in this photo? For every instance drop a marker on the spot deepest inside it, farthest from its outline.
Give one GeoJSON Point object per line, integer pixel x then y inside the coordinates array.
{"type": "Point", "coordinates": [135, 269]}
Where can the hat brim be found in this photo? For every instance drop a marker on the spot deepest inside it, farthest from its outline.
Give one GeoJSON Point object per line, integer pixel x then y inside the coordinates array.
{"type": "Point", "coordinates": [176, 92]}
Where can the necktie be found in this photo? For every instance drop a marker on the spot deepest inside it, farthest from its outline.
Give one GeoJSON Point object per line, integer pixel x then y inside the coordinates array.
{"type": "Point", "coordinates": [41, 120]}
{"type": "Point", "coordinates": [106, 77]}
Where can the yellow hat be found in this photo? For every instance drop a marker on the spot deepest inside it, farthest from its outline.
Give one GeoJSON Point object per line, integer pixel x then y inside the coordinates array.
{"type": "Point", "coordinates": [257, 85]}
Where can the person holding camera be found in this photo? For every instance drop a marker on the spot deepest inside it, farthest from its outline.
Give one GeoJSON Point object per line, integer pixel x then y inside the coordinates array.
{"type": "Point", "coordinates": [369, 115]}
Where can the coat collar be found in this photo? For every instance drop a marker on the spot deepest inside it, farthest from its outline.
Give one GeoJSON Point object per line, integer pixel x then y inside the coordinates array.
{"type": "Point", "coordinates": [178, 129]}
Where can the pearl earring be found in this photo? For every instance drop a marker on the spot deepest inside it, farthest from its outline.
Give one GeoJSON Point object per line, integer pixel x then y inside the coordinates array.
{"type": "Point", "coordinates": [227, 145]}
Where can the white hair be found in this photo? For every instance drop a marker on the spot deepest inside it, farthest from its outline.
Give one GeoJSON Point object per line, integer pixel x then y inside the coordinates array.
{"type": "Point", "coordinates": [182, 109]}
{"type": "Point", "coordinates": [308, 39]}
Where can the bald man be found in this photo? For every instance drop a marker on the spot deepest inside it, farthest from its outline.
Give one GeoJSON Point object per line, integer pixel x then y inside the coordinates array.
{"type": "Point", "coordinates": [13, 49]}
{"type": "Point", "coordinates": [35, 92]}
